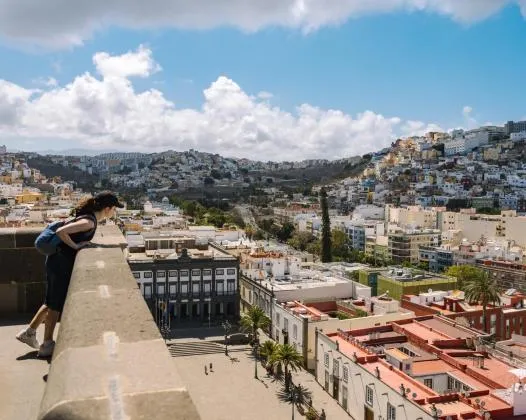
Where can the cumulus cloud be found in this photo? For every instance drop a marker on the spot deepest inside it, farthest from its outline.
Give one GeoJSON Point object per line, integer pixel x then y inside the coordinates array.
{"type": "Point", "coordinates": [469, 121]}
{"type": "Point", "coordinates": [108, 112]}
{"type": "Point", "coordinates": [59, 23]}
{"type": "Point", "coordinates": [137, 63]}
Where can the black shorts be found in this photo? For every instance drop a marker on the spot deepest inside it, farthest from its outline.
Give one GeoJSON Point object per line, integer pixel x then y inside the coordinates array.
{"type": "Point", "coordinates": [59, 268]}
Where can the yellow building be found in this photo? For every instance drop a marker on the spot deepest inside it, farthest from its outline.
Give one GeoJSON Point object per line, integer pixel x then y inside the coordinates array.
{"type": "Point", "coordinates": [28, 197]}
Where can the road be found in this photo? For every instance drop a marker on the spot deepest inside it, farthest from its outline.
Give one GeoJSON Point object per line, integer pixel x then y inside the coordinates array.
{"type": "Point", "coordinates": [246, 214]}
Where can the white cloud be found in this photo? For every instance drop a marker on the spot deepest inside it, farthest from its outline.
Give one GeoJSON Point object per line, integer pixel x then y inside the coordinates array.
{"type": "Point", "coordinates": [107, 112]}
{"type": "Point", "coordinates": [59, 23]}
{"type": "Point", "coordinates": [139, 63]}
{"type": "Point", "coordinates": [48, 82]}
{"type": "Point", "coordinates": [469, 121]}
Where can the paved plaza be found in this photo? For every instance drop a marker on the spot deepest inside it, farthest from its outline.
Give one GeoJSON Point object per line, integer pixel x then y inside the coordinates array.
{"type": "Point", "coordinates": [21, 375]}
{"type": "Point", "coordinates": [231, 392]}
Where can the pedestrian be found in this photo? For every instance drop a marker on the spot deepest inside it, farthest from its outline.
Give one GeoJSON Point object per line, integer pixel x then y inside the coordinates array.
{"type": "Point", "coordinates": [211, 367]}
{"type": "Point", "coordinates": [322, 415]}
{"type": "Point", "coordinates": [74, 235]}
{"type": "Point", "coordinates": [206, 372]}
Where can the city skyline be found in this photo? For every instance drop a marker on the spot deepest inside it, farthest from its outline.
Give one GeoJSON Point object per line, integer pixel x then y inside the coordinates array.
{"type": "Point", "coordinates": [278, 84]}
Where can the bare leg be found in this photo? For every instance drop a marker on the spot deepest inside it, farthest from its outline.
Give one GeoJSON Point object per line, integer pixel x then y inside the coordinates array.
{"type": "Point", "coordinates": [51, 322]}
{"type": "Point", "coordinates": [39, 317]}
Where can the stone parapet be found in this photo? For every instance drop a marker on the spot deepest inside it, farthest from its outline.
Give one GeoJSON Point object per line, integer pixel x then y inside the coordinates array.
{"type": "Point", "coordinates": [22, 274]}
{"type": "Point", "coordinates": [110, 361]}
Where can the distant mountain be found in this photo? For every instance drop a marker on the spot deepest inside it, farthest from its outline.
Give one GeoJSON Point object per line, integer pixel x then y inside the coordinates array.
{"type": "Point", "coordinates": [76, 152]}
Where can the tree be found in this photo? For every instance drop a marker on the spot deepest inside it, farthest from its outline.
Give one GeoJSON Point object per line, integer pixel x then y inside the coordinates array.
{"type": "Point", "coordinates": [253, 320]}
{"type": "Point", "coordinates": [464, 274]}
{"type": "Point", "coordinates": [267, 349]}
{"type": "Point", "coordinates": [285, 232]}
{"type": "Point", "coordinates": [300, 240]}
{"type": "Point", "coordinates": [208, 181]}
{"type": "Point", "coordinates": [484, 290]}
{"type": "Point", "coordinates": [288, 358]}
{"type": "Point", "coordinates": [249, 231]}
{"type": "Point", "coordinates": [214, 173]}
{"type": "Point", "coordinates": [340, 247]}
{"type": "Point", "coordinates": [326, 251]}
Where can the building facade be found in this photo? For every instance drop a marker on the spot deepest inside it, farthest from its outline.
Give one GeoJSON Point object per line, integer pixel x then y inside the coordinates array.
{"type": "Point", "coordinates": [189, 287]}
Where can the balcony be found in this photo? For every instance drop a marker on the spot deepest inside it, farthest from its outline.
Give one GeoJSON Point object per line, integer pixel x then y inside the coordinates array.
{"type": "Point", "coordinates": [98, 370]}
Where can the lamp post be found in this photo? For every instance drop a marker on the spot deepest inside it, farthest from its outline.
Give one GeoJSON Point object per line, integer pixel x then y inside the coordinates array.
{"type": "Point", "coordinates": [227, 327]}
{"type": "Point", "coordinates": [256, 348]}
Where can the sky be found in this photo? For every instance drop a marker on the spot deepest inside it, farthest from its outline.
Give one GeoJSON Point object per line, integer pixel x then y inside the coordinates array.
{"type": "Point", "coordinates": [274, 80]}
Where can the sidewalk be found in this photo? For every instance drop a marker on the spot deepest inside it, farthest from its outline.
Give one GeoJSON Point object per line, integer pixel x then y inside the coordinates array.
{"type": "Point", "coordinates": [320, 398]}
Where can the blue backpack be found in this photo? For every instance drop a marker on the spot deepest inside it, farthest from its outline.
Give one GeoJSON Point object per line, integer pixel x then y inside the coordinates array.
{"type": "Point", "coordinates": [48, 241]}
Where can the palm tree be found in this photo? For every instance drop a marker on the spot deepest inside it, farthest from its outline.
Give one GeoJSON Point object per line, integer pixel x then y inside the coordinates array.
{"type": "Point", "coordinates": [253, 320]}
{"type": "Point", "coordinates": [267, 349]}
{"type": "Point", "coordinates": [289, 358]}
{"type": "Point", "coordinates": [484, 290]}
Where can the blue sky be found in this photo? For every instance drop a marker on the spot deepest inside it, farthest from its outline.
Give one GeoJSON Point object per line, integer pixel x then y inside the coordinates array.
{"type": "Point", "coordinates": [426, 67]}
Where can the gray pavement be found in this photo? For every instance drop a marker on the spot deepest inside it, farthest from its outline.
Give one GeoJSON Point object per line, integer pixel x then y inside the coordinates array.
{"type": "Point", "coordinates": [21, 376]}
{"type": "Point", "coordinates": [231, 392]}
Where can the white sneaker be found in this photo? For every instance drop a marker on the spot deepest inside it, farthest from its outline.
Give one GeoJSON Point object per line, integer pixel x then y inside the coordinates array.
{"type": "Point", "coordinates": [29, 338]}
{"type": "Point", "coordinates": [46, 349]}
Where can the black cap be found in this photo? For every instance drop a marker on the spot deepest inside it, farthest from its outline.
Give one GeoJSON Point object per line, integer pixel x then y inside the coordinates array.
{"type": "Point", "coordinates": [108, 199]}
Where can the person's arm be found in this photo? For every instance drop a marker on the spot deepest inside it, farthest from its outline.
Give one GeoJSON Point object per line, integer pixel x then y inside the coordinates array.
{"type": "Point", "coordinates": [82, 225]}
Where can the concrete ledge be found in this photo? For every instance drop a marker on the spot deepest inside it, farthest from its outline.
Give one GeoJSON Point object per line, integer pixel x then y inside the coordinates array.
{"type": "Point", "coordinates": [110, 361]}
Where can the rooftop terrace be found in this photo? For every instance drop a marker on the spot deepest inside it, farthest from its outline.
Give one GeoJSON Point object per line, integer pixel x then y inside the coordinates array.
{"type": "Point", "coordinates": [98, 370]}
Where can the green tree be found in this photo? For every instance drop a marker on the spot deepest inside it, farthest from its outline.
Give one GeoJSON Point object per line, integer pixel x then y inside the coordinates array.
{"type": "Point", "coordinates": [267, 350]}
{"type": "Point", "coordinates": [326, 249]}
{"type": "Point", "coordinates": [484, 290]}
{"type": "Point", "coordinates": [288, 358]}
{"type": "Point", "coordinates": [464, 274]}
{"type": "Point", "coordinates": [300, 240]}
{"type": "Point", "coordinates": [340, 247]}
{"type": "Point", "coordinates": [285, 232]}
{"type": "Point", "coordinates": [253, 320]}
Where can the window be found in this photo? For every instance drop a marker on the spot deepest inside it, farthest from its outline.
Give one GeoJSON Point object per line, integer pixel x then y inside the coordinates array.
{"type": "Point", "coordinates": [231, 287]}
{"type": "Point", "coordinates": [184, 273]}
{"type": "Point", "coordinates": [148, 274]}
{"type": "Point", "coordinates": [161, 274]}
{"type": "Point", "coordinates": [326, 359]}
{"type": "Point", "coordinates": [336, 368]}
{"type": "Point", "coordinates": [344, 397]}
{"type": "Point", "coordinates": [160, 290]}
{"type": "Point", "coordinates": [196, 273]}
{"type": "Point", "coordinates": [345, 374]}
{"type": "Point", "coordinates": [148, 290]}
{"type": "Point", "coordinates": [294, 331]}
{"type": "Point", "coordinates": [391, 412]}
{"type": "Point", "coordinates": [285, 324]}
{"type": "Point", "coordinates": [172, 273]}
{"type": "Point", "coordinates": [207, 272]}
{"type": "Point", "coordinates": [277, 320]}
{"type": "Point", "coordinates": [428, 383]}
{"type": "Point", "coordinates": [220, 272]}
{"type": "Point", "coordinates": [369, 395]}
{"type": "Point", "coordinates": [173, 289]}
{"type": "Point", "coordinates": [136, 275]}
{"type": "Point", "coordinates": [220, 288]}
{"type": "Point", "coordinates": [231, 271]}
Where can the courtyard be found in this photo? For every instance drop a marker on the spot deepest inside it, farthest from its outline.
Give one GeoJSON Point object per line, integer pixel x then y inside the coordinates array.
{"type": "Point", "coordinates": [230, 391]}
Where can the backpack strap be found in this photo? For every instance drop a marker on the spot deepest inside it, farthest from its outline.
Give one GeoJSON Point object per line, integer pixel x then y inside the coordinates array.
{"type": "Point", "coordinates": [88, 216]}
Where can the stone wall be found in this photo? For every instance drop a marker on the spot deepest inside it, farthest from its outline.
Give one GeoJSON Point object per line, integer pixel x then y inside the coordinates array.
{"type": "Point", "coordinates": [110, 361]}
{"type": "Point", "coordinates": [22, 274]}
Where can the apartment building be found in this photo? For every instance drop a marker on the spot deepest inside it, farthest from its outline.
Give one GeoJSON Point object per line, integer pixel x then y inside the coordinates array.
{"type": "Point", "coordinates": [404, 245]}
{"type": "Point", "coordinates": [295, 322]}
{"type": "Point", "coordinates": [425, 368]}
{"type": "Point", "coordinates": [503, 320]}
{"type": "Point", "coordinates": [508, 274]}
